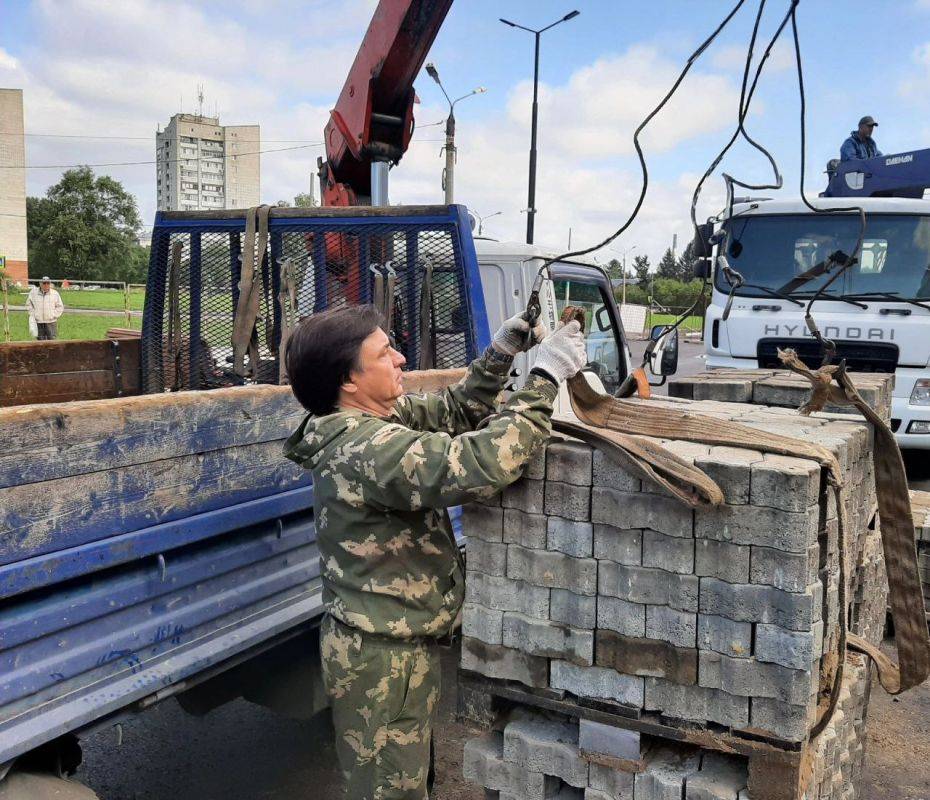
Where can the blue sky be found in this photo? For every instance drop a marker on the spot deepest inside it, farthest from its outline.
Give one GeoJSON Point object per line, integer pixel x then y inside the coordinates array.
{"type": "Point", "coordinates": [93, 67]}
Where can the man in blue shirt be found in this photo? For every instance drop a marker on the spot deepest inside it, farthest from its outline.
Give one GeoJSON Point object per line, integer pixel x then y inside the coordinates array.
{"type": "Point", "coordinates": [860, 143]}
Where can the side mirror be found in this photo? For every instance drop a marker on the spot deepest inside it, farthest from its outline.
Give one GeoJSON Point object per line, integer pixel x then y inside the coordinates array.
{"type": "Point", "coordinates": [702, 268]}
{"type": "Point", "coordinates": [664, 358]}
{"type": "Point", "coordinates": [602, 318]}
{"type": "Point", "coordinates": [702, 246]}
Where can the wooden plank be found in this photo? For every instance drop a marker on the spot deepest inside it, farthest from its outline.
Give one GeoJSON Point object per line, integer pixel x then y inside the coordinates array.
{"type": "Point", "coordinates": [79, 438]}
{"type": "Point", "coordinates": [84, 437]}
{"type": "Point", "coordinates": [30, 358]}
{"type": "Point", "coordinates": [57, 387]}
{"type": "Point", "coordinates": [70, 511]}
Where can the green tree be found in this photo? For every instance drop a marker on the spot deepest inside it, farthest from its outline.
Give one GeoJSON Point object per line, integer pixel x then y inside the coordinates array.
{"type": "Point", "coordinates": [85, 228]}
{"type": "Point", "coordinates": [641, 271]}
{"type": "Point", "coordinates": [686, 262]}
{"type": "Point", "coordinates": [668, 266]}
{"type": "Point", "coordinates": [614, 269]}
{"type": "Point", "coordinates": [304, 201]}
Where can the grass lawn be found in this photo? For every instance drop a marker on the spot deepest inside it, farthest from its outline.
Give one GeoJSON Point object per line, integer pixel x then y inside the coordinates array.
{"type": "Point", "coordinates": [692, 323]}
{"type": "Point", "coordinates": [107, 299]}
{"type": "Point", "coordinates": [70, 326]}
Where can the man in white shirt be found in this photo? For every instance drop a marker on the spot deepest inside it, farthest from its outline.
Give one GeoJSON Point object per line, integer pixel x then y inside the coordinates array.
{"type": "Point", "coordinates": [44, 303]}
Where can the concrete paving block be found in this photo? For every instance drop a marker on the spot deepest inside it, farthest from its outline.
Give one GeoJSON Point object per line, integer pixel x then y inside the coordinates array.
{"type": "Point", "coordinates": [728, 562]}
{"type": "Point", "coordinates": [576, 610]}
{"type": "Point", "coordinates": [750, 678]}
{"type": "Point", "coordinates": [568, 536]}
{"type": "Point", "coordinates": [723, 635]}
{"type": "Point", "coordinates": [504, 663]}
{"type": "Point", "coordinates": [645, 657]}
{"type": "Point", "coordinates": [569, 462]}
{"type": "Point", "coordinates": [567, 500]}
{"type": "Point", "coordinates": [596, 682]}
{"type": "Point", "coordinates": [621, 616]}
{"type": "Point", "coordinates": [612, 783]}
{"type": "Point", "coordinates": [609, 740]}
{"type": "Point", "coordinates": [553, 570]}
{"type": "Point", "coordinates": [668, 552]}
{"type": "Point", "coordinates": [596, 794]}
{"type": "Point", "coordinates": [480, 622]}
{"type": "Point", "coordinates": [786, 721]}
{"type": "Point", "coordinates": [785, 482]}
{"type": "Point", "coordinates": [668, 625]}
{"type": "Point", "coordinates": [487, 557]}
{"type": "Point", "coordinates": [730, 468]}
{"type": "Point", "coordinates": [525, 495]}
{"type": "Point", "coordinates": [483, 522]}
{"type": "Point", "coordinates": [504, 594]}
{"type": "Point", "coordinates": [637, 510]}
{"type": "Point", "coordinates": [536, 466]}
{"type": "Point", "coordinates": [648, 585]}
{"type": "Point", "coordinates": [616, 544]}
{"type": "Point", "coordinates": [546, 745]}
{"type": "Point", "coordinates": [791, 572]}
{"type": "Point", "coordinates": [696, 703]}
{"type": "Point", "coordinates": [528, 530]}
{"type": "Point", "coordinates": [612, 475]}
{"type": "Point", "coordinates": [549, 639]}
{"type": "Point", "coordinates": [668, 768]}
{"type": "Point", "coordinates": [794, 649]}
{"type": "Point", "coordinates": [720, 778]}
{"type": "Point", "coordinates": [483, 764]}
{"type": "Point", "coordinates": [769, 527]}
{"type": "Point", "coordinates": [752, 603]}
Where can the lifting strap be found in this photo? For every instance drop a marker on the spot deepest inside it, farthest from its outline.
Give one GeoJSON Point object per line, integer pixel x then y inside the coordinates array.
{"type": "Point", "coordinates": [385, 283]}
{"type": "Point", "coordinates": [287, 297]}
{"type": "Point", "coordinates": [244, 338]}
{"type": "Point", "coordinates": [897, 529]}
{"type": "Point", "coordinates": [426, 336]}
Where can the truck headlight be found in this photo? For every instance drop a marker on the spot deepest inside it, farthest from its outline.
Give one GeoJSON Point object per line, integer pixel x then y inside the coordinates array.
{"type": "Point", "coordinates": [920, 396]}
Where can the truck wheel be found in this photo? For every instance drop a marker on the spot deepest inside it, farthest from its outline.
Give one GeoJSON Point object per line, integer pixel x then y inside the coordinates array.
{"type": "Point", "coordinates": [42, 786]}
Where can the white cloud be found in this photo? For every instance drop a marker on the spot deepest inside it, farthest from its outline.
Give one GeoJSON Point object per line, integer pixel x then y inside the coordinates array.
{"type": "Point", "coordinates": [733, 57]}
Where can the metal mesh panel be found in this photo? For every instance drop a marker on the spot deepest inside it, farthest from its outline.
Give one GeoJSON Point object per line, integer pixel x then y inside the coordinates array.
{"type": "Point", "coordinates": [193, 292]}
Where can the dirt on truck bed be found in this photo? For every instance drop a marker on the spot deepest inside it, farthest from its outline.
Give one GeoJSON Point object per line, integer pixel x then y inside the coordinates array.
{"type": "Point", "coordinates": [245, 752]}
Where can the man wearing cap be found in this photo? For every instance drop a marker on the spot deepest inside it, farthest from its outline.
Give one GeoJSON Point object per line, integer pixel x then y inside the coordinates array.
{"type": "Point", "coordinates": [44, 304]}
{"type": "Point", "coordinates": [860, 143]}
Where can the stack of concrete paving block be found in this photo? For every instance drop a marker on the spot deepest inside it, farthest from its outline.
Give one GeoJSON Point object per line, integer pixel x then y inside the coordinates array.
{"type": "Point", "coordinates": [777, 388]}
{"type": "Point", "coordinates": [584, 579]}
{"type": "Point", "coordinates": [920, 508]}
{"type": "Point", "coordinates": [540, 756]}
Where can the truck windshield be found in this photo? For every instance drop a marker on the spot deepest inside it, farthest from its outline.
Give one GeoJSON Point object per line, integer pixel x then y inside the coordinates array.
{"type": "Point", "coordinates": [773, 250]}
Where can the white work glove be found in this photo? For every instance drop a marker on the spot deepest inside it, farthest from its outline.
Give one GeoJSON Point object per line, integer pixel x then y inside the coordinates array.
{"type": "Point", "coordinates": [563, 354]}
{"type": "Point", "coordinates": [514, 335]}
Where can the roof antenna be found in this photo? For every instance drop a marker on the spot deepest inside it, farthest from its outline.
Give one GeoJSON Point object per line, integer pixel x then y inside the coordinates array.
{"type": "Point", "coordinates": [200, 100]}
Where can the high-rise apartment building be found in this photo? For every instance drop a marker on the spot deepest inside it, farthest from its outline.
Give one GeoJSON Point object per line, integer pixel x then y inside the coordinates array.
{"type": "Point", "coordinates": [13, 245]}
{"type": "Point", "coordinates": [202, 165]}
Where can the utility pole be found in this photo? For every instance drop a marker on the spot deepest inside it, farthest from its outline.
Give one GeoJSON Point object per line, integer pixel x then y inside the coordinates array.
{"type": "Point", "coordinates": [531, 194]}
{"type": "Point", "coordinates": [448, 174]}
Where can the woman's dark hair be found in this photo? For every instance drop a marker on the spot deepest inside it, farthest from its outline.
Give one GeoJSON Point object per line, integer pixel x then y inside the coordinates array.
{"type": "Point", "coordinates": [323, 350]}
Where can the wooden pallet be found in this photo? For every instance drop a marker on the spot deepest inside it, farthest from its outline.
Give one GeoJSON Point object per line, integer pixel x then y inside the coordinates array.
{"type": "Point", "coordinates": [778, 770]}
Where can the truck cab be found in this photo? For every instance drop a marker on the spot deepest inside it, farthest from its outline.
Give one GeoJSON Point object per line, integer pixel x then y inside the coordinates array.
{"type": "Point", "coordinates": [877, 312]}
{"type": "Point", "coordinates": [508, 270]}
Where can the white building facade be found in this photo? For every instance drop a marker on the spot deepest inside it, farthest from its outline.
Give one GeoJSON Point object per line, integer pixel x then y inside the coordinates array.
{"type": "Point", "coordinates": [202, 165]}
{"type": "Point", "coordinates": [13, 244]}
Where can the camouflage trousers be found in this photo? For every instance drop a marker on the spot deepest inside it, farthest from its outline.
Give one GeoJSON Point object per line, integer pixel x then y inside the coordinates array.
{"type": "Point", "coordinates": [384, 694]}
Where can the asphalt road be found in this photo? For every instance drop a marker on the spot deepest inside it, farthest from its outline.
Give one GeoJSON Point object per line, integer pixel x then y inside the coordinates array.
{"type": "Point", "coordinates": [245, 752]}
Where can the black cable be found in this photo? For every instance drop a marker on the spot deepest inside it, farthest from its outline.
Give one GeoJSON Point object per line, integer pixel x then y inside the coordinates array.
{"type": "Point", "coordinates": [639, 150]}
{"type": "Point", "coordinates": [827, 346]}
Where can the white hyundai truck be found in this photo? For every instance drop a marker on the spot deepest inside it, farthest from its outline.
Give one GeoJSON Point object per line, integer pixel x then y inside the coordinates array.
{"type": "Point", "coordinates": [877, 312]}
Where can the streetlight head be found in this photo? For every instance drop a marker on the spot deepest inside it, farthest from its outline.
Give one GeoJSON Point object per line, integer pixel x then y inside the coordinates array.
{"type": "Point", "coordinates": [508, 22]}
{"type": "Point", "coordinates": [480, 90]}
{"type": "Point", "coordinates": [431, 71]}
{"type": "Point", "coordinates": [570, 15]}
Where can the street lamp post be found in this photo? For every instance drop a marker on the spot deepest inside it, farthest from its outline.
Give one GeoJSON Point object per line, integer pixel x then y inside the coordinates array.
{"type": "Point", "coordinates": [448, 174]}
{"type": "Point", "coordinates": [531, 197]}
{"type": "Point", "coordinates": [623, 277]}
{"type": "Point", "coordinates": [482, 219]}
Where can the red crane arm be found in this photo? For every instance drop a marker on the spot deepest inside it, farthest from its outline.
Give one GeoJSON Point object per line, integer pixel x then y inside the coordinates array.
{"type": "Point", "coordinates": [373, 118]}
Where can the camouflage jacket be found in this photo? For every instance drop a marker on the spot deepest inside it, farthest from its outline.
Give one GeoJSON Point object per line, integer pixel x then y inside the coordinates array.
{"type": "Point", "coordinates": [390, 564]}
